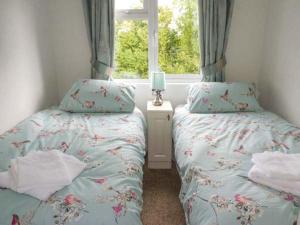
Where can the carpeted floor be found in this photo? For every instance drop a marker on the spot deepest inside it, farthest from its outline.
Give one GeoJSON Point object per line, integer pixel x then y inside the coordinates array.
{"type": "Point", "coordinates": [161, 203]}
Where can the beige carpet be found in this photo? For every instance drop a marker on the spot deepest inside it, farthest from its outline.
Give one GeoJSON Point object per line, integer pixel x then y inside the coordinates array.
{"type": "Point", "coordinates": [161, 203]}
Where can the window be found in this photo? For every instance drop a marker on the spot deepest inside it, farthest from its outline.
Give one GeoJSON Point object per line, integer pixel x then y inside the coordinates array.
{"type": "Point", "coordinates": [131, 49]}
{"type": "Point", "coordinates": [156, 35]}
{"type": "Point", "coordinates": [129, 4]}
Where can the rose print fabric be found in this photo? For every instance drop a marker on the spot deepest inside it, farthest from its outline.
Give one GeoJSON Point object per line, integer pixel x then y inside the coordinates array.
{"type": "Point", "coordinates": [212, 97]}
{"type": "Point", "coordinates": [99, 96]}
{"type": "Point", "coordinates": [108, 191]}
{"type": "Point", "coordinates": [213, 154]}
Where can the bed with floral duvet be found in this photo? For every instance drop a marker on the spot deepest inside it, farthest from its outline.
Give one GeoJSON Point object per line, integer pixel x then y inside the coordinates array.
{"type": "Point", "coordinates": [108, 191]}
{"type": "Point", "coordinates": [213, 155]}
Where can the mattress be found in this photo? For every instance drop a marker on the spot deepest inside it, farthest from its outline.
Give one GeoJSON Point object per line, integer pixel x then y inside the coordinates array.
{"type": "Point", "coordinates": [213, 155]}
{"type": "Point", "coordinates": [109, 191]}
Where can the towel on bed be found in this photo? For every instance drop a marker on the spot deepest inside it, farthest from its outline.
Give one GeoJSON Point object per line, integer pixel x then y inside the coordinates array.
{"type": "Point", "coordinates": [40, 174]}
{"type": "Point", "coordinates": [277, 170]}
{"type": "Point", "coordinates": [278, 165]}
{"type": "Point", "coordinates": [288, 186]}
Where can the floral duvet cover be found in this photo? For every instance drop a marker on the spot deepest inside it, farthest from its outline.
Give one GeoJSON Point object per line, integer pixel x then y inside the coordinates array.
{"type": "Point", "coordinates": [108, 191]}
{"type": "Point", "coordinates": [213, 155]}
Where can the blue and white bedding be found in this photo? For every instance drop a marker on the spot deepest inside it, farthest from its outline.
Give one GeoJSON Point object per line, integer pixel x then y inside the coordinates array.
{"type": "Point", "coordinates": [109, 191]}
{"type": "Point", "coordinates": [213, 155]}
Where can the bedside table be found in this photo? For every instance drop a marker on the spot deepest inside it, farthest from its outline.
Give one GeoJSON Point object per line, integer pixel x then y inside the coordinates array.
{"type": "Point", "coordinates": [159, 120]}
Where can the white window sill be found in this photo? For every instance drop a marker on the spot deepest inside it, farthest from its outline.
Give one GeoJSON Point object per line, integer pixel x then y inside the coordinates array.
{"type": "Point", "coordinates": [168, 81]}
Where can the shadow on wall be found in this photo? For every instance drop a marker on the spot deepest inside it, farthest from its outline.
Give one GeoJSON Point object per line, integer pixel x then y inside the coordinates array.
{"type": "Point", "coordinates": [48, 76]}
{"type": "Point", "coordinates": [279, 80]}
{"type": "Point", "coordinates": [70, 43]}
{"type": "Point", "coordinates": [27, 79]}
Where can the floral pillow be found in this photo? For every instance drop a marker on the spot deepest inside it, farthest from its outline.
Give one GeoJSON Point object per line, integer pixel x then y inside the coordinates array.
{"type": "Point", "coordinates": [94, 96]}
{"type": "Point", "coordinates": [214, 97]}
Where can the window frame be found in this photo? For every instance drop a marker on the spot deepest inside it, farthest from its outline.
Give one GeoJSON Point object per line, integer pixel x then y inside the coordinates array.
{"type": "Point", "coordinates": [133, 14]}
{"type": "Point", "coordinates": [150, 13]}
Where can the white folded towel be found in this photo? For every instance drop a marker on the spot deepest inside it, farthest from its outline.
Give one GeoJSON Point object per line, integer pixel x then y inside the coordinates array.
{"type": "Point", "coordinates": [288, 186]}
{"type": "Point", "coordinates": [40, 174]}
{"type": "Point", "coordinates": [277, 170]}
{"type": "Point", "coordinates": [278, 165]}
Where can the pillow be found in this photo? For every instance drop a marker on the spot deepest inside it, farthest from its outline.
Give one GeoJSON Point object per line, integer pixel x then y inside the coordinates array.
{"type": "Point", "coordinates": [94, 96]}
{"type": "Point", "coordinates": [214, 97]}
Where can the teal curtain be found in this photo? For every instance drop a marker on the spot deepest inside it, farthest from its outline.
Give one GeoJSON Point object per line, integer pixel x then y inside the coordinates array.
{"type": "Point", "coordinates": [99, 15]}
{"type": "Point", "coordinates": [214, 23]}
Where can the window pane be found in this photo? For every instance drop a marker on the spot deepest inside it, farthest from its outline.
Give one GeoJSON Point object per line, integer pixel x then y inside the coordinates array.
{"type": "Point", "coordinates": [131, 51]}
{"type": "Point", "coordinates": [178, 36]}
{"type": "Point", "coordinates": [129, 4]}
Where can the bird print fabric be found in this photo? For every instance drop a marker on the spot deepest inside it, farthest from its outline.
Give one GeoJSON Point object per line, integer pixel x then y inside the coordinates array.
{"type": "Point", "coordinates": [108, 191]}
{"type": "Point", "coordinates": [88, 96]}
{"type": "Point", "coordinates": [213, 152]}
{"type": "Point", "coordinates": [210, 97]}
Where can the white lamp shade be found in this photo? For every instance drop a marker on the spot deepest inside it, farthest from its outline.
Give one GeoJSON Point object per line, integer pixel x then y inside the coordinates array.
{"type": "Point", "coordinates": [158, 81]}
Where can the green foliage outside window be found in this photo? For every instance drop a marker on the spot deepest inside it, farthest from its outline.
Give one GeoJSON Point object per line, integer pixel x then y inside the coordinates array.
{"type": "Point", "coordinates": [178, 42]}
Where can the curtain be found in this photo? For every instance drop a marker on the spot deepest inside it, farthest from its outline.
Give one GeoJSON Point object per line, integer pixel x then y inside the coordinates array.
{"type": "Point", "coordinates": [99, 15]}
{"type": "Point", "coordinates": [214, 23]}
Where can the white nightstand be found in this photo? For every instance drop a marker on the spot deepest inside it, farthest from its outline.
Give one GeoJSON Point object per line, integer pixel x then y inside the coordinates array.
{"type": "Point", "coordinates": [159, 135]}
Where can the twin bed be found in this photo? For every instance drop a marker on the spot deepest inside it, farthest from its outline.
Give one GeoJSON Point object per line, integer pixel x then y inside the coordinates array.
{"type": "Point", "coordinates": [109, 191]}
{"type": "Point", "coordinates": [212, 151]}
{"type": "Point", "coordinates": [213, 155]}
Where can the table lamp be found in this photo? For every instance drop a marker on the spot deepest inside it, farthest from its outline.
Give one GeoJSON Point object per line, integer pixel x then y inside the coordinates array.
{"type": "Point", "coordinates": [158, 84]}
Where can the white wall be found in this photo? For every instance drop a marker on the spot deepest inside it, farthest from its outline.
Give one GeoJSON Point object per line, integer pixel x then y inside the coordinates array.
{"type": "Point", "coordinates": [72, 53]}
{"type": "Point", "coordinates": [280, 76]}
{"type": "Point", "coordinates": [27, 79]}
{"type": "Point", "coordinates": [245, 46]}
